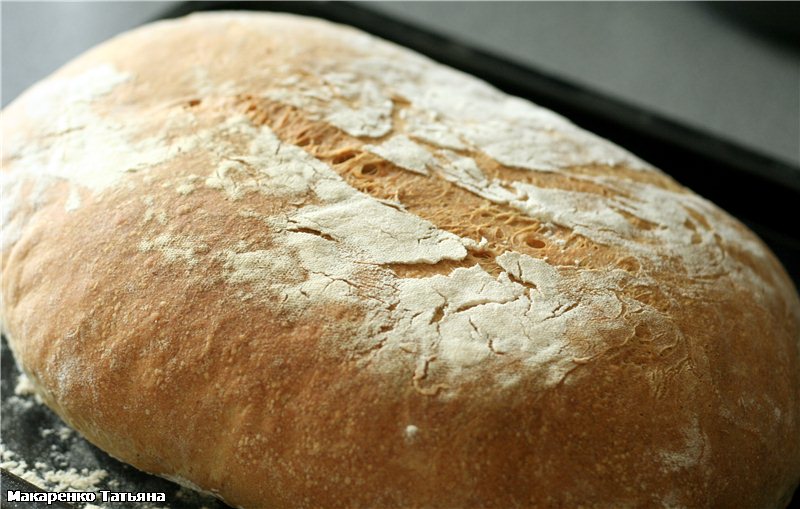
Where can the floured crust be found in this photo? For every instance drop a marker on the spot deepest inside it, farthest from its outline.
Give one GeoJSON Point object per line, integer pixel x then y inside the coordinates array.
{"type": "Point", "coordinates": [296, 266]}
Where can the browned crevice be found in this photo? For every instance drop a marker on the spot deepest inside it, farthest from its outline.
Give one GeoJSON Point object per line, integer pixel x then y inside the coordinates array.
{"type": "Point", "coordinates": [522, 282]}
{"type": "Point", "coordinates": [573, 178]}
{"type": "Point", "coordinates": [313, 232]}
{"type": "Point", "coordinates": [698, 218]}
{"type": "Point", "coordinates": [570, 176]}
{"type": "Point", "coordinates": [445, 267]}
{"type": "Point", "coordinates": [635, 221]}
{"type": "Point", "coordinates": [446, 205]}
{"type": "Point", "coordinates": [438, 314]}
{"type": "Point", "coordinates": [629, 263]}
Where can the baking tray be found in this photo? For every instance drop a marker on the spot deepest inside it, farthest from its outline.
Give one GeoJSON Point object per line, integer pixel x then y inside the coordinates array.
{"type": "Point", "coordinates": [762, 192]}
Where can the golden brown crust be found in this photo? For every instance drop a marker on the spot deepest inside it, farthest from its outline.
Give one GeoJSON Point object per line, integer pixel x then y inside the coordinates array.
{"type": "Point", "coordinates": [187, 280]}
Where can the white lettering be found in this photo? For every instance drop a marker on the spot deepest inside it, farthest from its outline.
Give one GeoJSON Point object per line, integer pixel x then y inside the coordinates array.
{"type": "Point", "coordinates": [51, 496]}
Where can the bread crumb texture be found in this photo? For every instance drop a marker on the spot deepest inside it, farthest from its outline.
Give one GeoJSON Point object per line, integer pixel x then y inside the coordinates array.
{"type": "Point", "coordinates": [248, 251]}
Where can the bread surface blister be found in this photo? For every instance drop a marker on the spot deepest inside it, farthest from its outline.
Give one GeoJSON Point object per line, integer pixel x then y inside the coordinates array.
{"type": "Point", "coordinates": [291, 264]}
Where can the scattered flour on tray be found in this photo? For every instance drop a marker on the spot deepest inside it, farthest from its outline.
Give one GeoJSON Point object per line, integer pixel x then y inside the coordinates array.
{"type": "Point", "coordinates": [25, 387]}
{"type": "Point", "coordinates": [60, 480]}
{"type": "Point", "coordinates": [44, 476]}
{"type": "Point", "coordinates": [51, 470]}
{"type": "Point", "coordinates": [63, 432]}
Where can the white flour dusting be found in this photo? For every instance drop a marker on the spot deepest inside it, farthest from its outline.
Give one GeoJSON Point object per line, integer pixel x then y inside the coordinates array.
{"type": "Point", "coordinates": [430, 120]}
{"type": "Point", "coordinates": [25, 387]}
{"type": "Point", "coordinates": [45, 477]}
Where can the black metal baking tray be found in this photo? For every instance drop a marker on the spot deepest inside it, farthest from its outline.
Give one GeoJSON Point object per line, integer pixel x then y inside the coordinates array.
{"type": "Point", "coordinates": [759, 190]}
{"type": "Point", "coordinates": [36, 435]}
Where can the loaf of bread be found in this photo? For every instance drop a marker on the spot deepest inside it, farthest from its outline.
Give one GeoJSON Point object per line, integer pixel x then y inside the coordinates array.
{"type": "Point", "coordinates": [293, 265]}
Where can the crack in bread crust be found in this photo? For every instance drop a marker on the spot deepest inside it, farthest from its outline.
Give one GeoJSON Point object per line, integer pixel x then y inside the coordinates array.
{"type": "Point", "coordinates": [440, 201]}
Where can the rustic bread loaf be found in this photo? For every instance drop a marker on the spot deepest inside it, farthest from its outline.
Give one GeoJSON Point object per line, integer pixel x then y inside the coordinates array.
{"type": "Point", "coordinates": [296, 266]}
